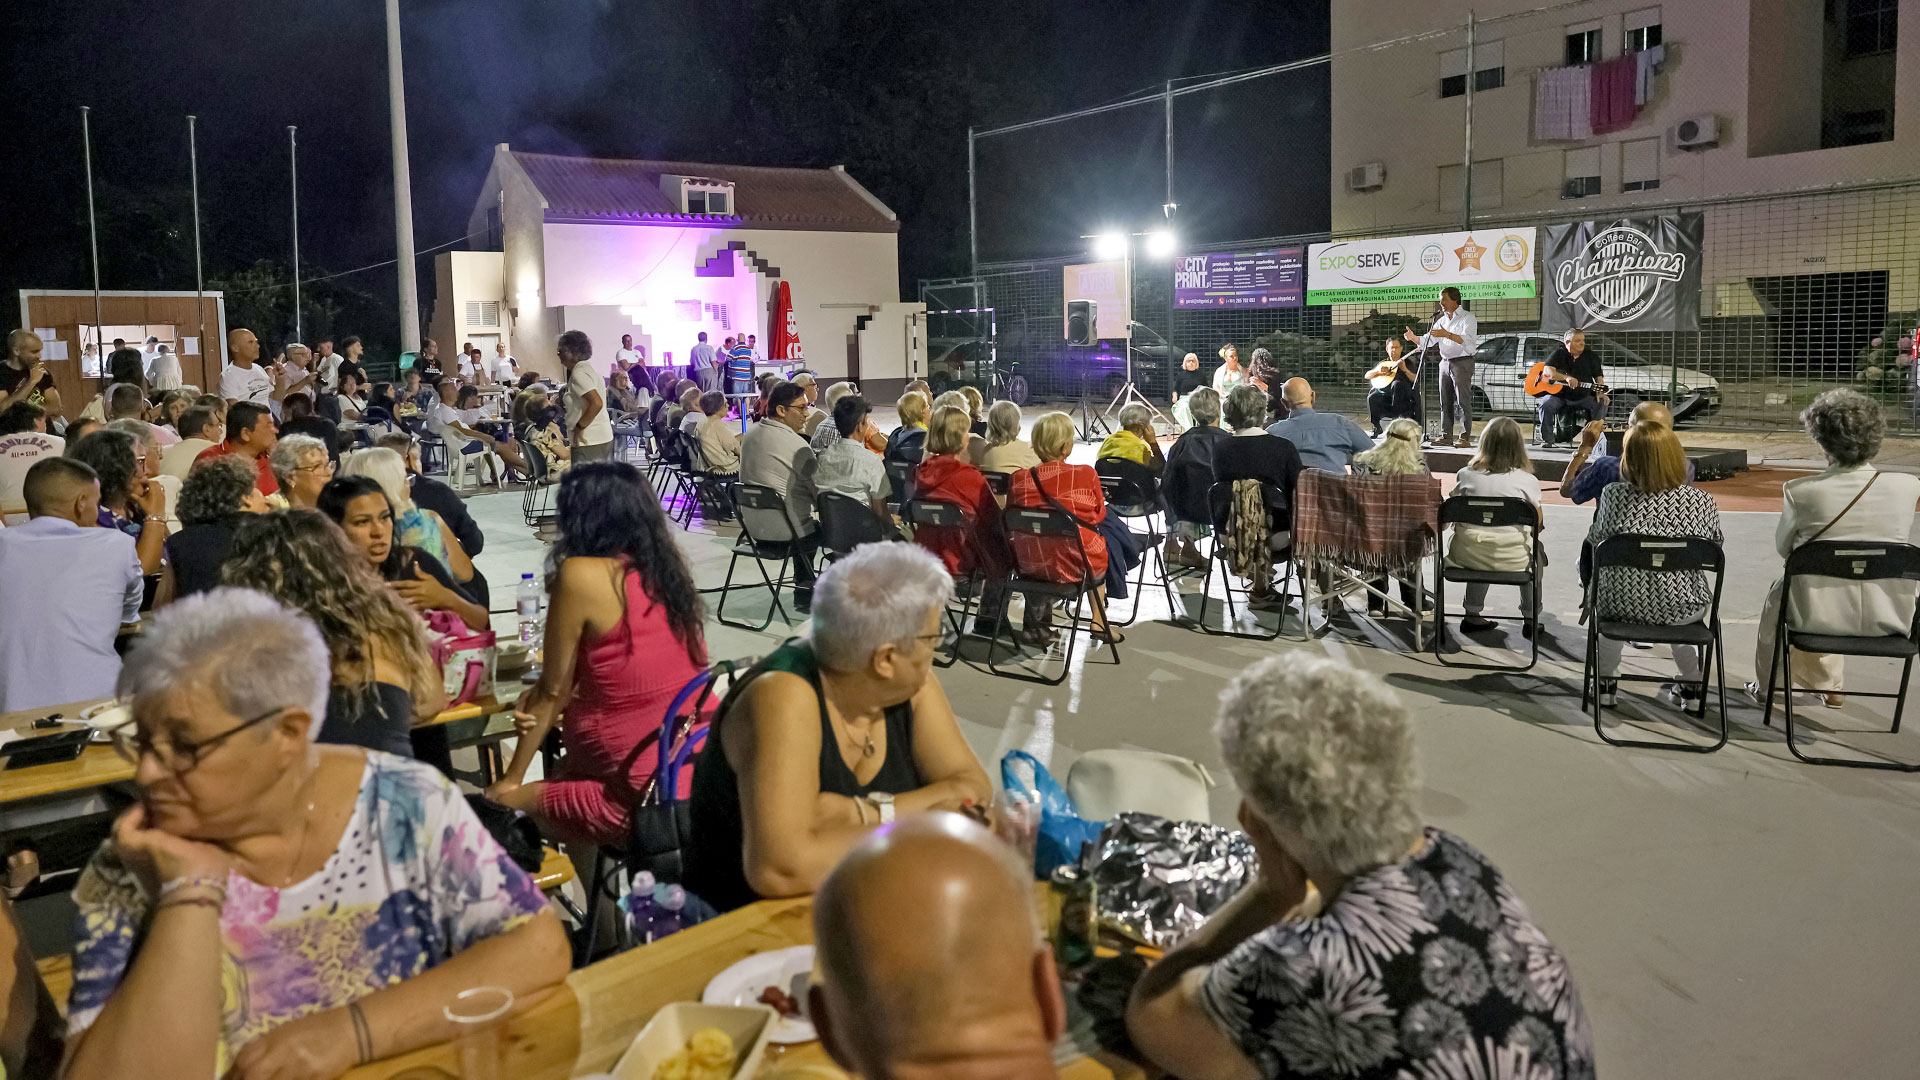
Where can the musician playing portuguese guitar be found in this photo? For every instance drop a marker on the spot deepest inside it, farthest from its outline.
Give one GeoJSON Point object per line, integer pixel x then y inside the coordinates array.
{"type": "Point", "coordinates": [1393, 394]}
{"type": "Point", "coordinates": [1572, 382]}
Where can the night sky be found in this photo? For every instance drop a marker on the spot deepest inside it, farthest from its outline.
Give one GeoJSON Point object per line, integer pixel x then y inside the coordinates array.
{"type": "Point", "coordinates": [885, 88]}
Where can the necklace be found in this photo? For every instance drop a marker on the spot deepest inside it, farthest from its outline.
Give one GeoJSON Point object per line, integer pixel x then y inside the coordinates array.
{"type": "Point", "coordinates": [306, 827]}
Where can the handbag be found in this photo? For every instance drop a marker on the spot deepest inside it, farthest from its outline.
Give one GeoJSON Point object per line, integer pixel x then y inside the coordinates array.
{"type": "Point", "coordinates": [662, 825]}
{"type": "Point", "coordinates": [465, 657]}
{"type": "Point", "coordinates": [516, 833]}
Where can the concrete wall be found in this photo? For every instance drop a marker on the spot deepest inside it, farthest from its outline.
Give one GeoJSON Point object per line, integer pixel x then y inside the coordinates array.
{"type": "Point", "coordinates": [1387, 108]}
{"type": "Point", "coordinates": [884, 350]}
{"type": "Point", "coordinates": [523, 256]}
{"type": "Point", "coordinates": [637, 278]}
{"type": "Point", "coordinates": [461, 276]}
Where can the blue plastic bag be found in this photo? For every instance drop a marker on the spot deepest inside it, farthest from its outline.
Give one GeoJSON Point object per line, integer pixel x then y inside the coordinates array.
{"type": "Point", "coordinates": [1063, 832]}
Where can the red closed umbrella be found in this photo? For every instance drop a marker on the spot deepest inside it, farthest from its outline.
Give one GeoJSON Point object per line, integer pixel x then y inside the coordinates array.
{"type": "Point", "coordinates": [786, 329]}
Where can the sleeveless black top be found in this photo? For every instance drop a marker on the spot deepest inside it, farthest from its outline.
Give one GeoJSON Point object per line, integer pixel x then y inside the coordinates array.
{"type": "Point", "coordinates": [382, 720]}
{"type": "Point", "coordinates": [716, 870]}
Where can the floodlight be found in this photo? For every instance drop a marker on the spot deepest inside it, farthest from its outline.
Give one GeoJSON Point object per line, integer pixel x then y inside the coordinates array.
{"type": "Point", "coordinates": [1160, 243]}
{"type": "Point", "coordinates": [1110, 245]}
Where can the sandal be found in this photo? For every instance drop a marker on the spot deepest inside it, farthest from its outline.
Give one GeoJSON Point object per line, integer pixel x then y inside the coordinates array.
{"type": "Point", "coordinates": [1109, 636]}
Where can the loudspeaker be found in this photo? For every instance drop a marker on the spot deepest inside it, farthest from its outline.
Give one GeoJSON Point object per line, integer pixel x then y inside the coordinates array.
{"type": "Point", "coordinates": [1082, 318]}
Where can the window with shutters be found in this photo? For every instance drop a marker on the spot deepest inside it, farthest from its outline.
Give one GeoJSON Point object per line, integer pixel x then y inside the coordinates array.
{"type": "Point", "coordinates": [1583, 44]}
{"type": "Point", "coordinates": [1640, 165]}
{"type": "Point", "coordinates": [1643, 30]}
{"type": "Point", "coordinates": [1582, 177]}
{"type": "Point", "coordinates": [483, 313]}
{"type": "Point", "coordinates": [1490, 73]}
{"type": "Point", "coordinates": [1488, 178]}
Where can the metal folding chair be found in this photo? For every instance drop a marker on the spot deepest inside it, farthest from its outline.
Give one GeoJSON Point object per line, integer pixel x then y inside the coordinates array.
{"type": "Point", "coordinates": [900, 477]}
{"type": "Point", "coordinates": [1327, 507]}
{"type": "Point", "coordinates": [1045, 521]}
{"type": "Point", "coordinates": [1657, 554]}
{"type": "Point", "coordinates": [1225, 512]}
{"type": "Point", "coordinates": [846, 523]}
{"type": "Point", "coordinates": [1132, 492]}
{"type": "Point", "coordinates": [1848, 561]}
{"type": "Point", "coordinates": [1487, 512]}
{"type": "Point", "coordinates": [927, 517]}
{"type": "Point", "coordinates": [536, 498]}
{"type": "Point", "coordinates": [758, 497]}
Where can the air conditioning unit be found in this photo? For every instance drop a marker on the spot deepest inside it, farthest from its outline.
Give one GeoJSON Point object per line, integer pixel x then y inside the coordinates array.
{"type": "Point", "coordinates": [1696, 133]}
{"type": "Point", "coordinates": [1367, 177]}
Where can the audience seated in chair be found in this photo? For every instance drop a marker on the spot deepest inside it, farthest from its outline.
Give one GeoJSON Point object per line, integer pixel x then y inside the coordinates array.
{"type": "Point", "coordinates": [1850, 501]}
{"type": "Point", "coordinates": [1653, 498]}
{"type": "Point", "coordinates": [1587, 476]}
{"type": "Point", "coordinates": [1397, 455]}
{"type": "Point", "coordinates": [774, 455]}
{"type": "Point", "coordinates": [1189, 476]}
{"type": "Point", "coordinates": [719, 441]}
{"type": "Point", "coordinates": [1075, 489]}
{"type": "Point", "coordinates": [1410, 919]}
{"type": "Point", "coordinates": [302, 467]}
{"type": "Point", "coordinates": [1255, 454]}
{"type": "Point", "coordinates": [623, 635]}
{"type": "Point", "coordinates": [1326, 441]}
{"type": "Point", "coordinates": [1135, 441]}
{"type": "Point", "coordinates": [980, 997]}
{"type": "Point", "coordinates": [976, 449]}
{"type": "Point", "coordinates": [1500, 470]}
{"type": "Point", "coordinates": [255, 843]}
{"type": "Point", "coordinates": [364, 511]}
{"type": "Point", "coordinates": [1006, 452]}
{"type": "Point", "coordinates": [832, 735]}
{"type": "Point", "coordinates": [213, 503]}
{"type": "Point", "coordinates": [845, 465]}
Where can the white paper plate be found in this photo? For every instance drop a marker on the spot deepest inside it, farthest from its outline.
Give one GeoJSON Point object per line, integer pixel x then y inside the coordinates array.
{"type": "Point", "coordinates": [106, 716]}
{"type": "Point", "coordinates": [788, 969]}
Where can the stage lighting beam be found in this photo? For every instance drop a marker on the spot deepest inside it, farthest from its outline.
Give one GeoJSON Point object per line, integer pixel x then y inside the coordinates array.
{"type": "Point", "coordinates": [1160, 243]}
{"type": "Point", "coordinates": [1110, 245]}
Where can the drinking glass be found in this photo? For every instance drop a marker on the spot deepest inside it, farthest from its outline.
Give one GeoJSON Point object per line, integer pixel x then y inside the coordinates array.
{"type": "Point", "coordinates": [1016, 820]}
{"type": "Point", "coordinates": [479, 1018]}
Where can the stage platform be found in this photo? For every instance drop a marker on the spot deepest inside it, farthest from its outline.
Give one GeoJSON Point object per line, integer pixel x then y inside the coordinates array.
{"type": "Point", "coordinates": [1709, 463]}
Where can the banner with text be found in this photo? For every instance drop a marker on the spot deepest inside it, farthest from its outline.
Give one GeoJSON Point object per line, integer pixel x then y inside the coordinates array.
{"type": "Point", "coordinates": [1104, 283]}
{"type": "Point", "coordinates": [1258, 279]}
{"type": "Point", "coordinates": [1406, 269]}
{"type": "Point", "coordinates": [1623, 274]}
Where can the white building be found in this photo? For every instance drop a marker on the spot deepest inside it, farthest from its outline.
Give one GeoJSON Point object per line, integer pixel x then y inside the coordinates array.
{"type": "Point", "coordinates": [666, 250]}
{"type": "Point", "coordinates": [1793, 124]}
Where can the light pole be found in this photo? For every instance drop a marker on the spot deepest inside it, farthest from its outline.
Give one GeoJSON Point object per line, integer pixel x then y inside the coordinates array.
{"type": "Point", "coordinates": [402, 187]}
{"type": "Point", "coordinates": [1110, 245]}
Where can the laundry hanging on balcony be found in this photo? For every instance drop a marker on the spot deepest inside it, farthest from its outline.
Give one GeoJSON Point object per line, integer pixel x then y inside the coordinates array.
{"type": "Point", "coordinates": [1573, 104]}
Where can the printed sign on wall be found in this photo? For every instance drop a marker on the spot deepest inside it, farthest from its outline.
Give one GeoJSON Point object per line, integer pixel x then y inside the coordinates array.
{"type": "Point", "coordinates": [1623, 274]}
{"type": "Point", "coordinates": [1490, 262]}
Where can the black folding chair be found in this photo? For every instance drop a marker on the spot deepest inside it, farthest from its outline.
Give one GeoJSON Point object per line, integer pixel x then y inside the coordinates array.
{"type": "Point", "coordinates": [536, 499]}
{"type": "Point", "coordinates": [1226, 516]}
{"type": "Point", "coordinates": [1045, 521]}
{"type": "Point", "coordinates": [1657, 554]}
{"type": "Point", "coordinates": [997, 482]}
{"type": "Point", "coordinates": [1487, 512]}
{"type": "Point", "coordinates": [1848, 561]}
{"type": "Point", "coordinates": [846, 523]}
{"type": "Point", "coordinates": [781, 552]}
{"type": "Point", "coordinates": [900, 477]}
{"type": "Point", "coordinates": [1132, 492]}
{"type": "Point", "coordinates": [928, 517]}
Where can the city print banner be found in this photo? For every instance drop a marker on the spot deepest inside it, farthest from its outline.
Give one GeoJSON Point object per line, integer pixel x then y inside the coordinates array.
{"type": "Point", "coordinates": [1489, 262]}
{"type": "Point", "coordinates": [1240, 279]}
{"type": "Point", "coordinates": [1623, 274]}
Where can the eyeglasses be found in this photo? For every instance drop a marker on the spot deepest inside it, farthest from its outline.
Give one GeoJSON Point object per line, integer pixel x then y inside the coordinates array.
{"type": "Point", "coordinates": [177, 756]}
{"type": "Point", "coordinates": [318, 466]}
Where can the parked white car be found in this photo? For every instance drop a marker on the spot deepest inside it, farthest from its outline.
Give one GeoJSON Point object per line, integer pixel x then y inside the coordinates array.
{"type": "Point", "coordinates": [1501, 362]}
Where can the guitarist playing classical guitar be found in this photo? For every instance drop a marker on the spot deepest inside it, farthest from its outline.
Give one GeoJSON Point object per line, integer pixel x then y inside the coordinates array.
{"type": "Point", "coordinates": [1393, 394]}
{"type": "Point", "coordinates": [1570, 379]}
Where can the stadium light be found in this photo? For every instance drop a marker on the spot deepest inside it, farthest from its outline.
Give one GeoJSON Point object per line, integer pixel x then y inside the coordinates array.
{"type": "Point", "coordinates": [1110, 245]}
{"type": "Point", "coordinates": [1160, 243]}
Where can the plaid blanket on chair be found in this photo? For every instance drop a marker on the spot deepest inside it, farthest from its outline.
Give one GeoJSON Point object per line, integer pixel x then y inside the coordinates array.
{"type": "Point", "coordinates": [1374, 523]}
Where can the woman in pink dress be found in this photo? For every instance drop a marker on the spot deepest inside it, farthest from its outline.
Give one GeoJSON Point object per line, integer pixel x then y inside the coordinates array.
{"type": "Point", "coordinates": [623, 636]}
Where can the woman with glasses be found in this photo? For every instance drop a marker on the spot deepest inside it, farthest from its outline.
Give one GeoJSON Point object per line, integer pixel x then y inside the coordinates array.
{"type": "Point", "coordinates": [359, 505]}
{"type": "Point", "coordinates": [831, 735]}
{"type": "Point", "coordinates": [271, 907]}
{"type": "Point", "coordinates": [384, 679]}
{"type": "Point", "coordinates": [301, 465]}
{"type": "Point", "coordinates": [623, 636]}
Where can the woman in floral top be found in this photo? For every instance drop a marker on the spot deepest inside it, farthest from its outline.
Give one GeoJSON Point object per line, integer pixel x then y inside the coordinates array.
{"type": "Point", "coordinates": [1653, 498]}
{"type": "Point", "coordinates": [272, 907]}
{"type": "Point", "coordinates": [1410, 958]}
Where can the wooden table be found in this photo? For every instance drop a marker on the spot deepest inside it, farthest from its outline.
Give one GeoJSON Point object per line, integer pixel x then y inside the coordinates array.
{"type": "Point", "coordinates": [588, 1023]}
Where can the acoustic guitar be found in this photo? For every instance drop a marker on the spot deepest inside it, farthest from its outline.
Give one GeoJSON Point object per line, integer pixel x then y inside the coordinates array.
{"type": "Point", "coordinates": [1382, 375]}
{"type": "Point", "coordinates": [1539, 383]}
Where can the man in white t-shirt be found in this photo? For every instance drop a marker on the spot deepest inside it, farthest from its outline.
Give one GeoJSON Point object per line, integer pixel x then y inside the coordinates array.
{"type": "Point", "coordinates": [326, 364]}
{"type": "Point", "coordinates": [244, 379]}
{"type": "Point", "coordinates": [589, 428]}
{"type": "Point", "coordinates": [626, 356]}
{"type": "Point", "coordinates": [18, 451]}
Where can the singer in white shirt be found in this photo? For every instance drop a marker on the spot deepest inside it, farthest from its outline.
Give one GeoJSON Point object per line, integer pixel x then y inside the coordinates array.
{"type": "Point", "coordinates": [1456, 332]}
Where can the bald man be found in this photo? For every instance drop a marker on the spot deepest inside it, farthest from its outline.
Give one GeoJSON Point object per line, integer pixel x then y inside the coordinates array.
{"type": "Point", "coordinates": [965, 988]}
{"type": "Point", "coordinates": [23, 376]}
{"type": "Point", "coordinates": [1326, 441]}
{"type": "Point", "coordinates": [243, 379]}
{"type": "Point", "coordinates": [1585, 480]}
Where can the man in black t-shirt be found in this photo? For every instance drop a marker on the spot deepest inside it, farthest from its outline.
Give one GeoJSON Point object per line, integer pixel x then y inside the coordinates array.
{"type": "Point", "coordinates": [1577, 368]}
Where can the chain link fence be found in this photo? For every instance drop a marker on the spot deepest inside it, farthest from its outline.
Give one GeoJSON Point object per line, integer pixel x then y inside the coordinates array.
{"type": "Point", "coordinates": [1800, 293]}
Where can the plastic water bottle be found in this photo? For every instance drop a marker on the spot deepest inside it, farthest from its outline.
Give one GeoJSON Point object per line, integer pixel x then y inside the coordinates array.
{"type": "Point", "coordinates": [668, 900]}
{"type": "Point", "coordinates": [528, 603]}
{"type": "Point", "coordinates": [639, 909]}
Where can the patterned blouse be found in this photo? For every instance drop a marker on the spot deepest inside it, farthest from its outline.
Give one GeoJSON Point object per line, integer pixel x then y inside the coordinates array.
{"type": "Point", "coordinates": [1654, 597]}
{"type": "Point", "coordinates": [416, 880]}
{"type": "Point", "coordinates": [1426, 969]}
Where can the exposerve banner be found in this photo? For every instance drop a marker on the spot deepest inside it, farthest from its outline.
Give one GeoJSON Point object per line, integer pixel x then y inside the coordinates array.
{"type": "Point", "coordinates": [1402, 269]}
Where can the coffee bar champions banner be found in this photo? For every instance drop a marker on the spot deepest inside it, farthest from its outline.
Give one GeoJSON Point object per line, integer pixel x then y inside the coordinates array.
{"type": "Point", "coordinates": [1623, 274]}
{"type": "Point", "coordinates": [1491, 262]}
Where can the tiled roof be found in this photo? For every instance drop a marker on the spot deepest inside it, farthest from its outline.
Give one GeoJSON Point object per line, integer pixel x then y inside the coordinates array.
{"type": "Point", "coordinates": [767, 198]}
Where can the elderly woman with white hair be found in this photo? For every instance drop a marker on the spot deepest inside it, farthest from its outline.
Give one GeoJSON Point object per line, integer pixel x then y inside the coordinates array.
{"type": "Point", "coordinates": [271, 907]}
{"type": "Point", "coordinates": [1850, 501]}
{"type": "Point", "coordinates": [302, 467]}
{"type": "Point", "coordinates": [1366, 945]}
{"type": "Point", "coordinates": [832, 735]}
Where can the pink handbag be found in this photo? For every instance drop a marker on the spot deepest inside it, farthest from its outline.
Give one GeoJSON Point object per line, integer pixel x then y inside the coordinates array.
{"type": "Point", "coordinates": [465, 657]}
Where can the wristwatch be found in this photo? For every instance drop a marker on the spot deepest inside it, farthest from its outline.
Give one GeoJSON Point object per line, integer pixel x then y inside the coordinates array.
{"type": "Point", "coordinates": [883, 803]}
